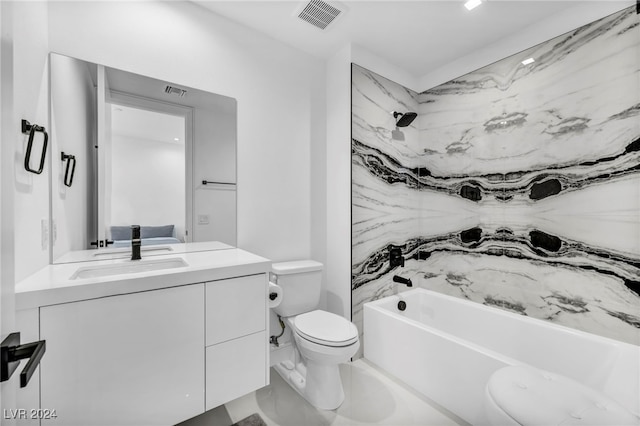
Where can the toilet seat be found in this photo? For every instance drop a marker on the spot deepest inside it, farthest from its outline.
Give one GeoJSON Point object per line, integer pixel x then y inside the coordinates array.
{"type": "Point", "coordinates": [530, 396]}
{"type": "Point", "coordinates": [326, 329]}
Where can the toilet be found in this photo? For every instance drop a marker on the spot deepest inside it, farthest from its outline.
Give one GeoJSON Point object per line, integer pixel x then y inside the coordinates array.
{"type": "Point", "coordinates": [523, 395]}
{"type": "Point", "coordinates": [319, 340]}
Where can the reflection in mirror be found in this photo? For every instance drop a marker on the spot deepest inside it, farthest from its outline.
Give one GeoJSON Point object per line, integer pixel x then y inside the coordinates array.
{"type": "Point", "coordinates": [144, 149]}
{"type": "Point", "coordinates": [145, 172]}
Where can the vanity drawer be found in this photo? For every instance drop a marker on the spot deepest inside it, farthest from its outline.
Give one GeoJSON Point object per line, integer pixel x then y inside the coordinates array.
{"type": "Point", "coordinates": [235, 307]}
{"type": "Point", "coordinates": [235, 368]}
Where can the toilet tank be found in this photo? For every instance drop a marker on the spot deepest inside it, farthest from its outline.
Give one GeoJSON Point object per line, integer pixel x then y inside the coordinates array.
{"type": "Point", "coordinates": [300, 281]}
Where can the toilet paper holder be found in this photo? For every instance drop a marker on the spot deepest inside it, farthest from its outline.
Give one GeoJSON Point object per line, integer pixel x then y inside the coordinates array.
{"type": "Point", "coordinates": [275, 295]}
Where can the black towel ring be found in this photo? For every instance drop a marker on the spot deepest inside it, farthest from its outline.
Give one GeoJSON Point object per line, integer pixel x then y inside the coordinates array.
{"type": "Point", "coordinates": [31, 129]}
{"type": "Point", "coordinates": [68, 177]}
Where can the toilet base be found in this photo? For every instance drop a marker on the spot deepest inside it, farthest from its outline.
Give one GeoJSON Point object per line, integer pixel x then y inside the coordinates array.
{"type": "Point", "coordinates": [319, 384]}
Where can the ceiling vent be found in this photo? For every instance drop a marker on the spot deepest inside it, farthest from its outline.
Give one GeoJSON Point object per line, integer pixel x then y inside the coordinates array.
{"type": "Point", "coordinates": [172, 90]}
{"type": "Point", "coordinates": [318, 13]}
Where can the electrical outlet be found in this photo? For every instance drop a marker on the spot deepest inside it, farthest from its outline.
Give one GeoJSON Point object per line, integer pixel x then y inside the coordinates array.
{"type": "Point", "coordinates": [44, 233]}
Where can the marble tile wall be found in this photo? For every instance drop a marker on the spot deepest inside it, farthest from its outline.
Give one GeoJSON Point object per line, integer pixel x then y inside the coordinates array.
{"type": "Point", "coordinates": [518, 186]}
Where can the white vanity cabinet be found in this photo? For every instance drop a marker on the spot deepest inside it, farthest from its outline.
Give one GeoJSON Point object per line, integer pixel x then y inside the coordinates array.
{"type": "Point", "coordinates": [133, 359]}
{"type": "Point", "coordinates": [148, 348]}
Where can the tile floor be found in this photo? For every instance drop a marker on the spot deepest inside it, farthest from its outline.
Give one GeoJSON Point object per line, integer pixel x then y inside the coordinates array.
{"type": "Point", "coordinates": [373, 397]}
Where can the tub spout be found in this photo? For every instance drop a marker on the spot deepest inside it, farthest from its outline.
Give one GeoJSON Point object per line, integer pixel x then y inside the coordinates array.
{"type": "Point", "coordinates": [401, 280]}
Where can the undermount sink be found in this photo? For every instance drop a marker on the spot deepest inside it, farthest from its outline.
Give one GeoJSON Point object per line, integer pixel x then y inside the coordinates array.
{"type": "Point", "coordinates": [130, 267]}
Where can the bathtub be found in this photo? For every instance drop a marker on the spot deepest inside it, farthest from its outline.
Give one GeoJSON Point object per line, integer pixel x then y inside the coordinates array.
{"type": "Point", "coordinates": [446, 348]}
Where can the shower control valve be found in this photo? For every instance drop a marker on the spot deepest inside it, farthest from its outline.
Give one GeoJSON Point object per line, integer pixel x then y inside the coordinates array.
{"type": "Point", "coordinates": [395, 256]}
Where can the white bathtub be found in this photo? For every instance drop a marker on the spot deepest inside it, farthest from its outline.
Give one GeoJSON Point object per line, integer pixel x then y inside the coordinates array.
{"type": "Point", "coordinates": [447, 348]}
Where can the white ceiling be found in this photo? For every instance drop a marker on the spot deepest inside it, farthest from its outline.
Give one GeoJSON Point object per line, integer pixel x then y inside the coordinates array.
{"type": "Point", "coordinates": [416, 36]}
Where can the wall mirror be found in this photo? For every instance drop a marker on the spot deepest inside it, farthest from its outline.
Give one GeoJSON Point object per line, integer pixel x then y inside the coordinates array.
{"type": "Point", "coordinates": [129, 149]}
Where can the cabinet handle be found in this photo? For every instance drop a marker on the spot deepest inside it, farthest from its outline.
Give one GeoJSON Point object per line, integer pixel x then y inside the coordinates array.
{"type": "Point", "coordinates": [11, 352]}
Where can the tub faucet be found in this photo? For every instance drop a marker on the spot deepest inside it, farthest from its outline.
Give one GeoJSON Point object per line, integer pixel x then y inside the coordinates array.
{"type": "Point", "coordinates": [135, 242]}
{"type": "Point", "coordinates": [405, 281]}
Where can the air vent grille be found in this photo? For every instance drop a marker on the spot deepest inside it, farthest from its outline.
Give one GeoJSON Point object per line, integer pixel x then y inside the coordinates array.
{"type": "Point", "coordinates": [319, 13]}
{"type": "Point", "coordinates": [172, 90]}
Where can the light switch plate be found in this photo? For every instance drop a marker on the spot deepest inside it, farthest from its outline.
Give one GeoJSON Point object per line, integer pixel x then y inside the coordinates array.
{"type": "Point", "coordinates": [203, 219]}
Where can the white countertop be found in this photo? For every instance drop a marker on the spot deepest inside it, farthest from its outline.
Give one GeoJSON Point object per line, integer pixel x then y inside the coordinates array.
{"type": "Point", "coordinates": [54, 284]}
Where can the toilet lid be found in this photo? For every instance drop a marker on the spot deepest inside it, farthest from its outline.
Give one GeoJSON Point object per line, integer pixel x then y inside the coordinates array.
{"type": "Point", "coordinates": [537, 397]}
{"type": "Point", "coordinates": [326, 328]}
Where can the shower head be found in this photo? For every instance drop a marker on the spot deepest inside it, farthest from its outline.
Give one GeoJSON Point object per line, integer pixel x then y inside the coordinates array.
{"type": "Point", "coordinates": [405, 119]}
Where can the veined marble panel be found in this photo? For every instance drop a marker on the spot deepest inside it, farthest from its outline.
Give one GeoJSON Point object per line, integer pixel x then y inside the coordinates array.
{"type": "Point", "coordinates": [521, 189]}
{"type": "Point", "coordinates": [373, 100]}
{"type": "Point", "coordinates": [533, 184]}
{"type": "Point", "coordinates": [390, 213]}
{"type": "Point", "coordinates": [577, 102]}
{"type": "Point", "coordinates": [525, 243]}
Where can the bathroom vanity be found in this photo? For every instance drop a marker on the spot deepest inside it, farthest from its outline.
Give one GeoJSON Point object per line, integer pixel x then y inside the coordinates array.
{"type": "Point", "coordinates": [155, 341]}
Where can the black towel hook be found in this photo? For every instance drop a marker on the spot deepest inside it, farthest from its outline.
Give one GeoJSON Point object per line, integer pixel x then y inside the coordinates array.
{"type": "Point", "coordinates": [31, 129]}
{"type": "Point", "coordinates": [68, 178]}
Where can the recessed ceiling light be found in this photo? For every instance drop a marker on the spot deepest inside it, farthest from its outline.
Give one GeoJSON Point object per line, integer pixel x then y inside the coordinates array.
{"type": "Point", "coordinates": [176, 139]}
{"type": "Point", "coordinates": [528, 61]}
{"type": "Point", "coordinates": [472, 4]}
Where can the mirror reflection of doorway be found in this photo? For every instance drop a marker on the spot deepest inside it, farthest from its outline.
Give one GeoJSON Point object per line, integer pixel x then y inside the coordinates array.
{"type": "Point", "coordinates": [145, 172]}
{"type": "Point", "coordinates": [82, 95]}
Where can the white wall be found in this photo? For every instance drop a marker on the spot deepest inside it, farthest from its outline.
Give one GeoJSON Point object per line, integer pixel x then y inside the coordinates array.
{"type": "Point", "coordinates": [338, 174]}
{"type": "Point", "coordinates": [318, 174]}
{"type": "Point", "coordinates": [7, 129]}
{"type": "Point", "coordinates": [215, 134]}
{"type": "Point", "coordinates": [366, 59]}
{"type": "Point", "coordinates": [147, 183]}
{"type": "Point", "coordinates": [214, 159]}
{"type": "Point", "coordinates": [275, 86]}
{"type": "Point", "coordinates": [30, 96]}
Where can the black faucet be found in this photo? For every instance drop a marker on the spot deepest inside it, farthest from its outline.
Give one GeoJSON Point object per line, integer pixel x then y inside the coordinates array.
{"type": "Point", "coordinates": [405, 281]}
{"type": "Point", "coordinates": [135, 242]}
